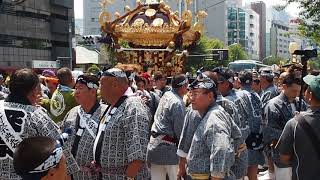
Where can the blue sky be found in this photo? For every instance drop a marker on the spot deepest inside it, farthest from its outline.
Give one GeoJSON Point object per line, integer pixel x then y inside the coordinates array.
{"type": "Point", "coordinates": [292, 9]}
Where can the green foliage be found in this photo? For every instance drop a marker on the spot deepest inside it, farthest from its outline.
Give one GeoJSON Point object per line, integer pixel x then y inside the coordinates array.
{"type": "Point", "coordinates": [202, 47]}
{"type": "Point", "coordinates": [236, 52]}
{"type": "Point", "coordinates": [124, 44]}
{"type": "Point", "coordinates": [310, 9]}
{"type": "Point", "coordinates": [94, 69]}
{"type": "Point", "coordinates": [310, 31]}
{"type": "Point", "coordinates": [314, 64]}
{"type": "Point", "coordinates": [310, 28]}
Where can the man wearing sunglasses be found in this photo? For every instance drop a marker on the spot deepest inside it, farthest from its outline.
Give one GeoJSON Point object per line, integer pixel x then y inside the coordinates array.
{"type": "Point", "coordinates": [277, 113]}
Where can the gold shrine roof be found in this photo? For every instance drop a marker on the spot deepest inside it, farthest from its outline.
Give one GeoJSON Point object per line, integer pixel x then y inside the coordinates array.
{"type": "Point", "coordinates": [154, 25]}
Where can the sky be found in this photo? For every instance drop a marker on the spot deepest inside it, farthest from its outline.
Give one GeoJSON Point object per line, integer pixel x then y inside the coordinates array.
{"type": "Point", "coordinates": [292, 9]}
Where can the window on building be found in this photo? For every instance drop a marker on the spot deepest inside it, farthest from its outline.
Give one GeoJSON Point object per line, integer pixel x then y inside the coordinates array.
{"type": "Point", "coordinates": [251, 25]}
{"type": "Point", "coordinates": [251, 16]}
{"type": "Point", "coordinates": [92, 19]}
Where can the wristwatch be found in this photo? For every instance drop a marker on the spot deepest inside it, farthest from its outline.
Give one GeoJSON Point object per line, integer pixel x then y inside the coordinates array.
{"type": "Point", "coordinates": [130, 178]}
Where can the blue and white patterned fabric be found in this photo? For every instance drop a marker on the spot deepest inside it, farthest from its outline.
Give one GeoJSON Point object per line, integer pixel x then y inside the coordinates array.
{"type": "Point", "coordinates": [269, 93]}
{"type": "Point", "coordinates": [255, 155]}
{"type": "Point", "coordinates": [239, 168]}
{"type": "Point", "coordinates": [211, 151]}
{"type": "Point", "coordinates": [168, 120]}
{"type": "Point", "coordinates": [191, 122]}
{"type": "Point", "coordinates": [84, 125]}
{"type": "Point", "coordinates": [242, 104]}
{"type": "Point", "coordinates": [124, 140]}
{"type": "Point", "coordinates": [25, 121]}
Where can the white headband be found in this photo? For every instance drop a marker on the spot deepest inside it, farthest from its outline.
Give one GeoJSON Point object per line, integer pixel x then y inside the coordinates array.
{"type": "Point", "coordinates": [185, 81]}
{"type": "Point", "coordinates": [52, 160]}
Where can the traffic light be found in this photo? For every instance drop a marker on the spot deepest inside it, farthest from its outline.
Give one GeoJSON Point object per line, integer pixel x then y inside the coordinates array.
{"type": "Point", "coordinates": [91, 39]}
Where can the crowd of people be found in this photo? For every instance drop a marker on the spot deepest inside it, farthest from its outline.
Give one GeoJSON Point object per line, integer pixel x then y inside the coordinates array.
{"type": "Point", "coordinates": [121, 125]}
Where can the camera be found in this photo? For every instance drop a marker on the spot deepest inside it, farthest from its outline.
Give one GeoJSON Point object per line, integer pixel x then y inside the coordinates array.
{"type": "Point", "coordinates": [308, 54]}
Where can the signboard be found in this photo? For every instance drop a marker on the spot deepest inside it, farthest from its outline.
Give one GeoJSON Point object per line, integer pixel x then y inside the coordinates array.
{"type": "Point", "coordinates": [44, 64]}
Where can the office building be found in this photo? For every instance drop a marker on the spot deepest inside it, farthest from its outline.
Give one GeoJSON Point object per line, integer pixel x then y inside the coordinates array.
{"type": "Point", "coordinates": [92, 9]}
{"type": "Point", "coordinates": [279, 18]}
{"type": "Point", "coordinates": [279, 39]}
{"type": "Point", "coordinates": [243, 29]}
{"type": "Point", "coordinates": [35, 33]}
{"type": "Point", "coordinates": [260, 8]}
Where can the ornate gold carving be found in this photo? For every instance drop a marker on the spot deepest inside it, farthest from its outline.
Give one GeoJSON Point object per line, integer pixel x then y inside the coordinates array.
{"type": "Point", "coordinates": [138, 22]}
{"type": "Point", "coordinates": [149, 31]}
{"type": "Point", "coordinates": [104, 17]}
{"type": "Point", "coordinates": [187, 16]}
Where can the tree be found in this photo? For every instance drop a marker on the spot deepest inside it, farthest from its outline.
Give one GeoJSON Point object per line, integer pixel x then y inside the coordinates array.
{"type": "Point", "coordinates": [310, 14]}
{"type": "Point", "coordinates": [314, 64]}
{"type": "Point", "coordinates": [201, 49]}
{"type": "Point", "coordinates": [236, 52]}
{"type": "Point", "coordinates": [310, 31]}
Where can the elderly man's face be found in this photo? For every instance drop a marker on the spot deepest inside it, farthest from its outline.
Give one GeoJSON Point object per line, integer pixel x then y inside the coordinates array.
{"type": "Point", "coordinates": [108, 87]}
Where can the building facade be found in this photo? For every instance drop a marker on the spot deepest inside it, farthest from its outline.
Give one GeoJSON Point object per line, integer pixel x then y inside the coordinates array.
{"type": "Point", "coordinates": [234, 3]}
{"type": "Point", "coordinates": [254, 37]}
{"type": "Point", "coordinates": [92, 9]}
{"type": "Point", "coordinates": [260, 8]}
{"type": "Point", "coordinates": [275, 19]}
{"type": "Point", "coordinates": [280, 39]}
{"type": "Point", "coordinates": [216, 21]}
{"type": "Point", "coordinates": [303, 43]}
{"type": "Point", "coordinates": [243, 29]}
{"type": "Point", "coordinates": [35, 31]}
